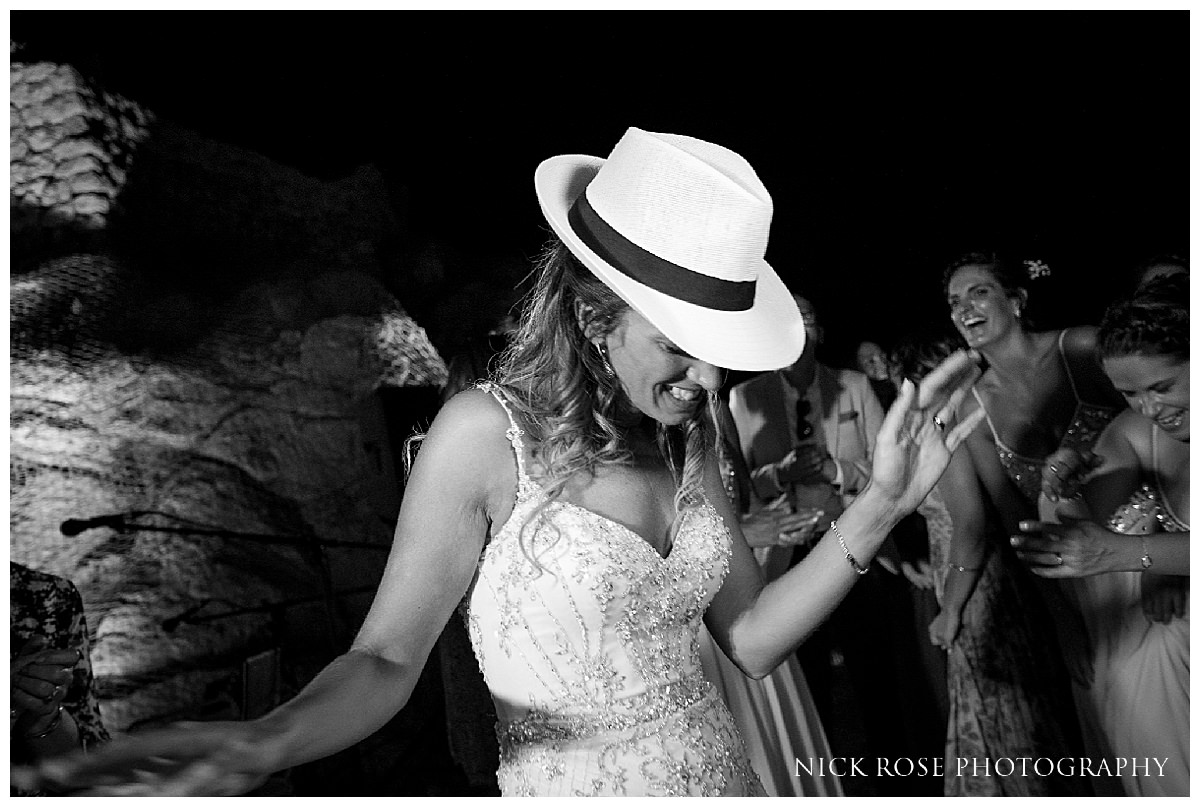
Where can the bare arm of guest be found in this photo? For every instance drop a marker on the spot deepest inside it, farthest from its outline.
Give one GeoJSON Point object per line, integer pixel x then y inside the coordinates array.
{"type": "Point", "coordinates": [964, 498]}
{"type": "Point", "coordinates": [1013, 509]}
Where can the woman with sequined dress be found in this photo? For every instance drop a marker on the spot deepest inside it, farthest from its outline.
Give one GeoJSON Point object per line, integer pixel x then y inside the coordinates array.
{"type": "Point", "coordinates": [1005, 681]}
{"type": "Point", "coordinates": [1042, 392]}
{"type": "Point", "coordinates": [1128, 561]}
{"type": "Point", "coordinates": [574, 507]}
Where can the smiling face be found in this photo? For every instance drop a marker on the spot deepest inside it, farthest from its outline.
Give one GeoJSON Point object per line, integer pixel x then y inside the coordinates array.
{"type": "Point", "coordinates": [659, 379]}
{"type": "Point", "coordinates": [981, 310]}
{"type": "Point", "coordinates": [1157, 387]}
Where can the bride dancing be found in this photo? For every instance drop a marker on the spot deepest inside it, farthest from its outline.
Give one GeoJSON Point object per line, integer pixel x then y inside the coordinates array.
{"type": "Point", "coordinates": [576, 506]}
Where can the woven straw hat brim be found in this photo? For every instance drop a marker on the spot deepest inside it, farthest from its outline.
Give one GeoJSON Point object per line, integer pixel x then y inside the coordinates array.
{"type": "Point", "coordinates": [766, 336]}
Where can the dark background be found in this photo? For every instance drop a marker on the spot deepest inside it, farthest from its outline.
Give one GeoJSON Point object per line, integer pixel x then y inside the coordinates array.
{"type": "Point", "coordinates": [890, 141]}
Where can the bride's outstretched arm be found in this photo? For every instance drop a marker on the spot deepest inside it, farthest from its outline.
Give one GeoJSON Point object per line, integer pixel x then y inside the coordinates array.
{"type": "Point", "coordinates": [441, 530]}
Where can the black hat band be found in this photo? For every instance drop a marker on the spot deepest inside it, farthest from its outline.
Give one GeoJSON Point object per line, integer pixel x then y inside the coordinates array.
{"type": "Point", "coordinates": [651, 270]}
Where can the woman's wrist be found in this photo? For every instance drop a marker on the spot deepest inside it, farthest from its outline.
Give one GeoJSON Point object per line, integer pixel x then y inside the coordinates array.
{"type": "Point", "coordinates": [872, 512]}
{"type": "Point", "coordinates": [865, 524]}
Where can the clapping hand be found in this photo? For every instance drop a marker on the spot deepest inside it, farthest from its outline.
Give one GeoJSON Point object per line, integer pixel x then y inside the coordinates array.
{"type": "Point", "coordinates": [771, 526]}
{"type": "Point", "coordinates": [807, 464]}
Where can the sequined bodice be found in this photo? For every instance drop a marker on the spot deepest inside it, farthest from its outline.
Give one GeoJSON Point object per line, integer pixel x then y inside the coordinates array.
{"type": "Point", "coordinates": [1148, 509]}
{"type": "Point", "coordinates": [1087, 422]}
{"type": "Point", "coordinates": [588, 641]}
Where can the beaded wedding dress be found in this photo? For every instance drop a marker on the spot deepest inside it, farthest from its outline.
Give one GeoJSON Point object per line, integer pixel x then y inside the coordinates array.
{"type": "Point", "coordinates": [589, 642]}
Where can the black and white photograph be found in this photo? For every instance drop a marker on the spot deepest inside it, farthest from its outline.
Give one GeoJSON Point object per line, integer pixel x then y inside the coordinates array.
{"type": "Point", "coordinates": [621, 400]}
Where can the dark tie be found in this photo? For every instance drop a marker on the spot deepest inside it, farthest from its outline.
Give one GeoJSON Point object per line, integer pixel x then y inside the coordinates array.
{"type": "Point", "coordinates": [804, 427]}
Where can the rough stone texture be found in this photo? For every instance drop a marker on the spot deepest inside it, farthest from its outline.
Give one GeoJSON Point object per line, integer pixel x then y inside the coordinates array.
{"type": "Point", "coordinates": [198, 338]}
{"type": "Point", "coordinates": [269, 433]}
{"type": "Point", "coordinates": [70, 148]}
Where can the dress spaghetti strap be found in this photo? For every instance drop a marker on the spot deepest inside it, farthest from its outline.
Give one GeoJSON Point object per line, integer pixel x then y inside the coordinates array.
{"type": "Point", "coordinates": [988, 418]}
{"type": "Point", "coordinates": [513, 433]}
{"type": "Point", "coordinates": [1062, 354]}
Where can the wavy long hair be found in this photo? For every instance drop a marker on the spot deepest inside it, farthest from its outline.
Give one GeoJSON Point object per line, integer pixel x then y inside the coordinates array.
{"type": "Point", "coordinates": [566, 398]}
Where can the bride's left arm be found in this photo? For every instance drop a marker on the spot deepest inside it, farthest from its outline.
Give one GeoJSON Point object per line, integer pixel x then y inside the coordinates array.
{"type": "Point", "coordinates": [758, 625]}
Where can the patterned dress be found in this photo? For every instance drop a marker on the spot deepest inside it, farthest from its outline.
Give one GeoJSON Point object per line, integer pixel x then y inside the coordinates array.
{"type": "Point", "coordinates": [589, 642]}
{"type": "Point", "coordinates": [48, 606]}
{"type": "Point", "coordinates": [1007, 686]}
{"type": "Point", "coordinates": [1013, 697]}
{"type": "Point", "coordinates": [1140, 689]}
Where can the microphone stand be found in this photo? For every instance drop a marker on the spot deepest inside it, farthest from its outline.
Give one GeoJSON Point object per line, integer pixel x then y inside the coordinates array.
{"type": "Point", "coordinates": [188, 617]}
{"type": "Point", "coordinates": [315, 546]}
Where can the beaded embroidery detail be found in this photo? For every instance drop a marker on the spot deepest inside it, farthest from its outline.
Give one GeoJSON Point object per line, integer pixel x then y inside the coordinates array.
{"type": "Point", "coordinates": [1087, 422]}
{"type": "Point", "coordinates": [1147, 509]}
{"type": "Point", "coordinates": [589, 642]}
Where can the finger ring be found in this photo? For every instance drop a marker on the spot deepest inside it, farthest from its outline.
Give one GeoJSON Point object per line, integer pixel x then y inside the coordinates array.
{"type": "Point", "coordinates": [941, 424]}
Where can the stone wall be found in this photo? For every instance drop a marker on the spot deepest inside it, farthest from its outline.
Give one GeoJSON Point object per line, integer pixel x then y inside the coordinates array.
{"type": "Point", "coordinates": [70, 150]}
{"type": "Point", "coordinates": [199, 337]}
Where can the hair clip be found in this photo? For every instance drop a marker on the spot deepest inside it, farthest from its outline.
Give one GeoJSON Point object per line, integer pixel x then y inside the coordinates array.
{"type": "Point", "coordinates": [1036, 269]}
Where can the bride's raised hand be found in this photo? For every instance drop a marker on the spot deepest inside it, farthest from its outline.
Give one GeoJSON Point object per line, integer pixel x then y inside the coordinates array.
{"type": "Point", "coordinates": [921, 431]}
{"type": "Point", "coordinates": [186, 759]}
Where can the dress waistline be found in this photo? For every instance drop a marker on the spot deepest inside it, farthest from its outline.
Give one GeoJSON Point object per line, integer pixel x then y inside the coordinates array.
{"type": "Point", "coordinates": [541, 727]}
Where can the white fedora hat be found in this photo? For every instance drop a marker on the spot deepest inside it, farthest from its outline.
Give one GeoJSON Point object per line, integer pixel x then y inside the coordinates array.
{"type": "Point", "coordinates": [678, 228]}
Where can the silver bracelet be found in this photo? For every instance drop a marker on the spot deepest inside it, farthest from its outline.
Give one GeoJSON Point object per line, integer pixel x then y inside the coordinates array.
{"type": "Point", "coordinates": [850, 558]}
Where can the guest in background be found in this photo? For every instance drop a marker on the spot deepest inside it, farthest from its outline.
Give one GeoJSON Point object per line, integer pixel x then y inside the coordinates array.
{"type": "Point", "coordinates": [1042, 391]}
{"type": "Point", "coordinates": [1007, 685]}
{"type": "Point", "coordinates": [1138, 618]}
{"type": "Point", "coordinates": [52, 700]}
{"type": "Point", "coordinates": [872, 362]}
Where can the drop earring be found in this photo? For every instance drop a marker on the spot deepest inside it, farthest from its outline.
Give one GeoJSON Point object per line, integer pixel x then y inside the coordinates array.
{"type": "Point", "coordinates": [602, 349]}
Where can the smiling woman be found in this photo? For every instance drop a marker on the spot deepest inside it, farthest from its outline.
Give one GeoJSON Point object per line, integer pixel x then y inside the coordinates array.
{"type": "Point", "coordinates": [1137, 618]}
{"type": "Point", "coordinates": [1043, 392]}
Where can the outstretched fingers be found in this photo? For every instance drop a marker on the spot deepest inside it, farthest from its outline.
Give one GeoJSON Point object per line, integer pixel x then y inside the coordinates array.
{"type": "Point", "coordinates": [963, 429]}
{"type": "Point", "coordinates": [136, 762]}
{"type": "Point", "coordinates": [896, 416]}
